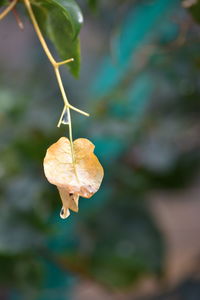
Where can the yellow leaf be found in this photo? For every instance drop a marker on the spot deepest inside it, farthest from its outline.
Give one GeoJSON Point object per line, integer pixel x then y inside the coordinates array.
{"type": "Point", "coordinates": [82, 177]}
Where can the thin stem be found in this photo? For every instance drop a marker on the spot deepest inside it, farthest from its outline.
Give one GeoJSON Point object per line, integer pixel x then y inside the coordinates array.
{"type": "Point", "coordinates": [64, 62]}
{"type": "Point", "coordinates": [68, 115]}
{"type": "Point", "coordinates": [39, 33]}
{"type": "Point", "coordinates": [62, 115]}
{"type": "Point", "coordinates": [72, 107]}
{"type": "Point", "coordinates": [71, 136]}
{"type": "Point", "coordinates": [8, 9]}
{"type": "Point", "coordinates": [57, 72]}
{"type": "Point", "coordinates": [56, 66]}
{"type": "Point", "coordinates": [71, 143]}
{"type": "Point", "coordinates": [78, 110]}
{"type": "Point", "coordinates": [50, 57]}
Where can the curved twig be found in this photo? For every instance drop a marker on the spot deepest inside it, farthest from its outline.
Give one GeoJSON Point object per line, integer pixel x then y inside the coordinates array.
{"type": "Point", "coordinates": [8, 9]}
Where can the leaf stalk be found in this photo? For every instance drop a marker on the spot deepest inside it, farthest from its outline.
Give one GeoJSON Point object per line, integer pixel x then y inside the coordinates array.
{"type": "Point", "coordinates": [56, 65]}
{"type": "Point", "coordinates": [8, 9]}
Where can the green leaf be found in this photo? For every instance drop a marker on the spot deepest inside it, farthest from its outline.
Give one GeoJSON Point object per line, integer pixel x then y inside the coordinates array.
{"type": "Point", "coordinates": [66, 49]}
{"type": "Point", "coordinates": [71, 11]}
{"type": "Point", "coordinates": [61, 21]}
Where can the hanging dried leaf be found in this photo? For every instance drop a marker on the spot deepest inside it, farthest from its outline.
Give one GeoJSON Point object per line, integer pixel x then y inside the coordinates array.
{"type": "Point", "coordinates": [73, 179]}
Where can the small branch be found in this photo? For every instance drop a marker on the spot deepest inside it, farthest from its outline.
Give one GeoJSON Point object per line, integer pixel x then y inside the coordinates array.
{"type": "Point", "coordinates": [60, 84]}
{"type": "Point", "coordinates": [55, 64]}
{"type": "Point", "coordinates": [64, 62]}
{"type": "Point", "coordinates": [38, 32]}
{"type": "Point", "coordinates": [78, 110]}
{"type": "Point", "coordinates": [62, 115]}
{"type": "Point", "coordinates": [8, 9]}
{"type": "Point", "coordinates": [73, 108]}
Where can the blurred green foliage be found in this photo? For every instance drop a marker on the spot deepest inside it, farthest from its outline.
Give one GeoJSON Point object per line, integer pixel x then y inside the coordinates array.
{"type": "Point", "coordinates": [195, 10]}
{"type": "Point", "coordinates": [144, 103]}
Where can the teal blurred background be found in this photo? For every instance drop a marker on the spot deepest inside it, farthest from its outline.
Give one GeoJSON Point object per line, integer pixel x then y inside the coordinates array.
{"type": "Point", "coordinates": [138, 237]}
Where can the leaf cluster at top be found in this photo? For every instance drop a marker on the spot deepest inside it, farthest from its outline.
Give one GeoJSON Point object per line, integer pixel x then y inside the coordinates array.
{"type": "Point", "coordinates": [60, 21]}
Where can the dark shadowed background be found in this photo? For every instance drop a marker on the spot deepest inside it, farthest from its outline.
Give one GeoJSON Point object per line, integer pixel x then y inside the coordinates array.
{"type": "Point", "coordinates": [139, 236]}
